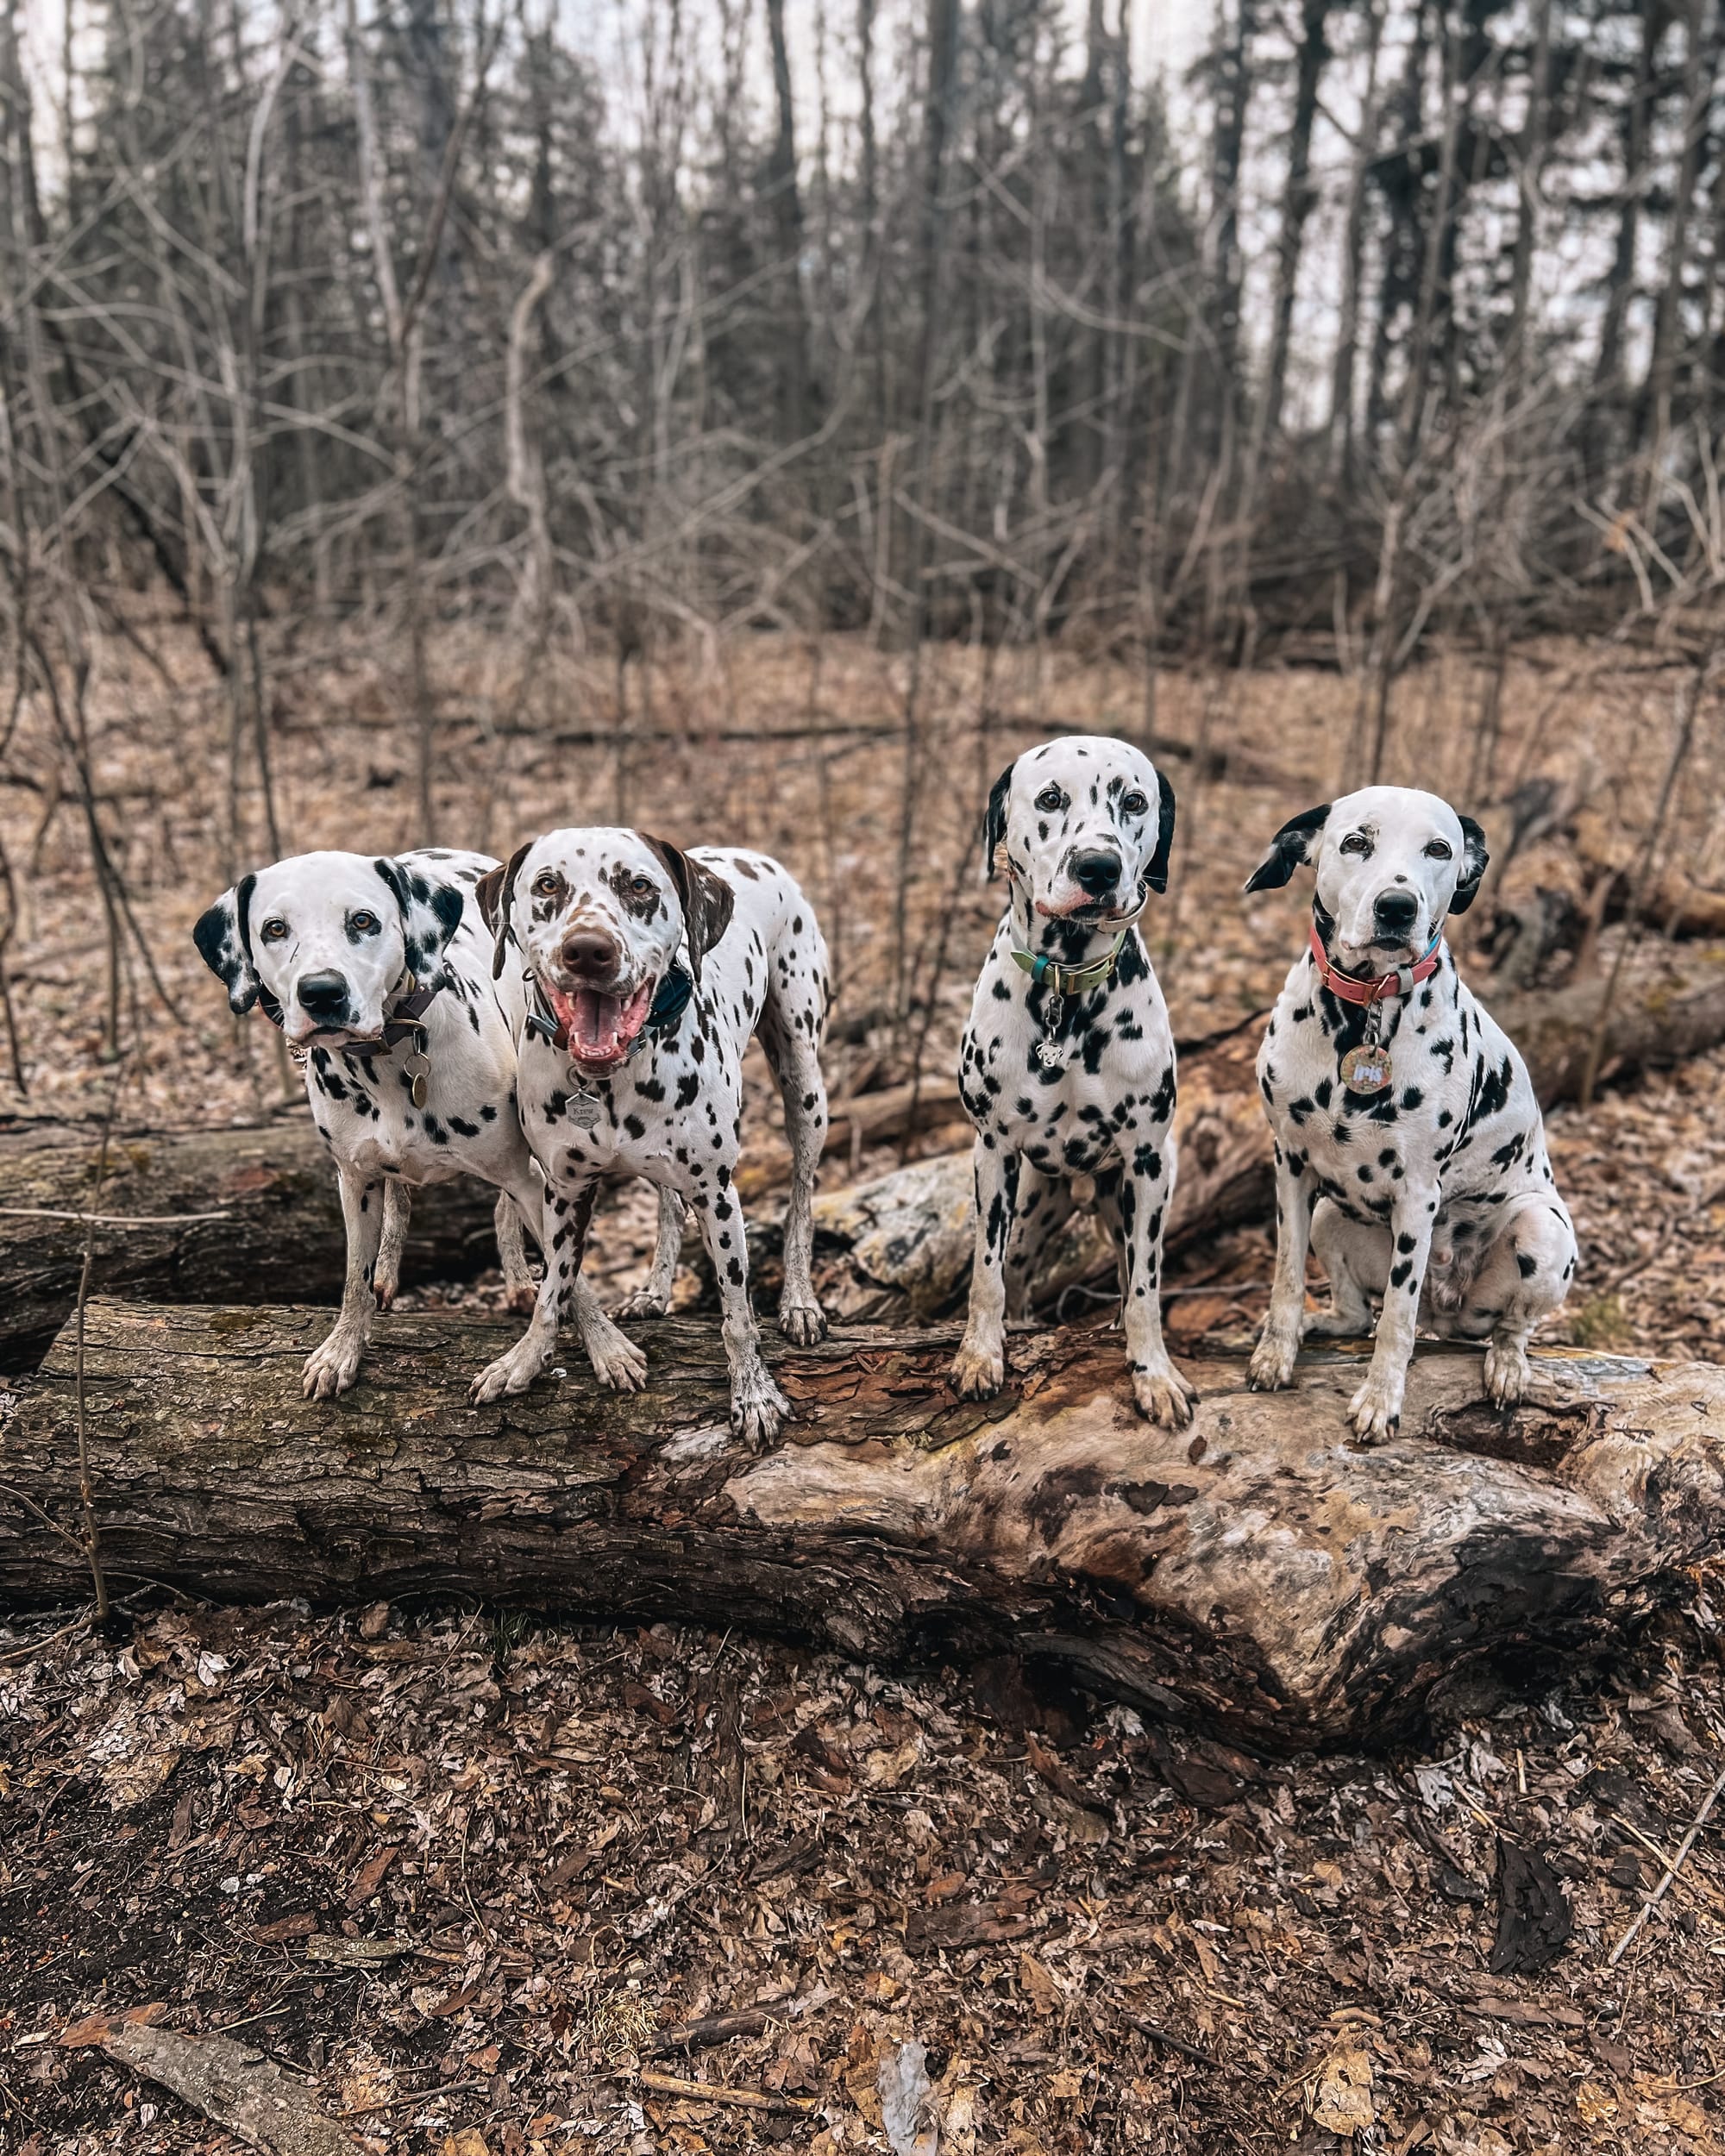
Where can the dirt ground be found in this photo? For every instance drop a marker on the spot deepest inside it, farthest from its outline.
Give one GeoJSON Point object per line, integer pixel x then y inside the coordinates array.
{"type": "Point", "coordinates": [468, 1877]}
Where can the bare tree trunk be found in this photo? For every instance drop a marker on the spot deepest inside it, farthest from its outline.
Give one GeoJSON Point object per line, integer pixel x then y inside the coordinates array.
{"type": "Point", "coordinates": [1299, 196]}
{"type": "Point", "coordinates": [786, 199]}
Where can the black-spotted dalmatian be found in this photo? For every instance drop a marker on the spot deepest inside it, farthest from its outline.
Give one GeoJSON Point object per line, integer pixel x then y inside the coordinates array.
{"type": "Point", "coordinates": [632, 1062]}
{"type": "Point", "coordinates": [1067, 1068]}
{"type": "Point", "coordinates": [379, 975]}
{"type": "Point", "coordinates": [1409, 1146]}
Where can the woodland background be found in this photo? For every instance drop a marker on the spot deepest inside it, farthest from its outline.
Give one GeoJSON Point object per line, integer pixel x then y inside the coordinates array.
{"type": "Point", "coordinates": [760, 419]}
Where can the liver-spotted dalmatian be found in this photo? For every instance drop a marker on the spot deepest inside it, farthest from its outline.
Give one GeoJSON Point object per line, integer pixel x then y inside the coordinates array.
{"type": "Point", "coordinates": [648, 970]}
{"type": "Point", "coordinates": [1409, 1147]}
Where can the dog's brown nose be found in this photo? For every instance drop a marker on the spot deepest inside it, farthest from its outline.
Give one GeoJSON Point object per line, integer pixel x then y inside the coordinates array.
{"type": "Point", "coordinates": [589, 950]}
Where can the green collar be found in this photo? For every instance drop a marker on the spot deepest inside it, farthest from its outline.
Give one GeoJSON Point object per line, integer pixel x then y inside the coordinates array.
{"type": "Point", "coordinates": [1071, 980]}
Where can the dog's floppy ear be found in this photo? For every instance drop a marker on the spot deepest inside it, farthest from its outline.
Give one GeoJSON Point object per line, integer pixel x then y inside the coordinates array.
{"type": "Point", "coordinates": [495, 892]}
{"type": "Point", "coordinates": [1293, 844]}
{"type": "Point", "coordinates": [431, 914]}
{"type": "Point", "coordinates": [1474, 861]}
{"type": "Point", "coordinates": [995, 821]}
{"type": "Point", "coordinates": [1157, 874]}
{"type": "Point", "coordinates": [223, 938]}
{"type": "Point", "coordinates": [706, 900]}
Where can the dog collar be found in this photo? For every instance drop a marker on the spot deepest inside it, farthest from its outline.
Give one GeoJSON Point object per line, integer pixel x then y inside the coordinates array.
{"type": "Point", "coordinates": [1402, 982]}
{"type": "Point", "coordinates": [1070, 981]}
{"type": "Point", "coordinates": [670, 1001]}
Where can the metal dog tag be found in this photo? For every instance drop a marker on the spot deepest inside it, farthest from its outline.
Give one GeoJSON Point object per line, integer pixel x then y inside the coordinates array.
{"type": "Point", "coordinates": [1366, 1068]}
{"type": "Point", "coordinates": [1049, 1055]}
{"type": "Point", "coordinates": [416, 1068]}
{"type": "Point", "coordinates": [584, 1109]}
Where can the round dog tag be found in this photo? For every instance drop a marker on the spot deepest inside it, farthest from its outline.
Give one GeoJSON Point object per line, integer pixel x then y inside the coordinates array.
{"type": "Point", "coordinates": [1366, 1070]}
{"type": "Point", "coordinates": [416, 1066]}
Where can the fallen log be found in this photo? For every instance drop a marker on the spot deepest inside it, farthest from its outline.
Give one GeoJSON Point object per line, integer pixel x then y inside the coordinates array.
{"type": "Point", "coordinates": [279, 1239]}
{"type": "Point", "coordinates": [900, 1246]}
{"type": "Point", "coordinates": [1255, 1574]}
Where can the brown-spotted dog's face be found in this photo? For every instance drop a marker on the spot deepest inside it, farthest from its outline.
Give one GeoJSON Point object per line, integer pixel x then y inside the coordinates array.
{"type": "Point", "coordinates": [598, 917]}
{"type": "Point", "coordinates": [329, 935]}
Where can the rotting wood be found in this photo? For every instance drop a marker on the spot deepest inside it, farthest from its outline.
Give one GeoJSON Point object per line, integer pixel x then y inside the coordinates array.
{"type": "Point", "coordinates": [232, 2085]}
{"type": "Point", "coordinates": [1255, 1575]}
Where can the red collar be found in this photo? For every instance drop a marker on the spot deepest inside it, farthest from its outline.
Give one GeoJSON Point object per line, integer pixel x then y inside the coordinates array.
{"type": "Point", "coordinates": [1399, 983]}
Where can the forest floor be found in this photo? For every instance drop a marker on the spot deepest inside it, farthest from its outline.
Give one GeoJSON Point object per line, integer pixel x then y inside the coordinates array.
{"type": "Point", "coordinates": [464, 1874]}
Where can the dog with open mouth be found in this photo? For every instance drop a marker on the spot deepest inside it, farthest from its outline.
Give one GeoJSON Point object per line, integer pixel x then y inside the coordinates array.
{"type": "Point", "coordinates": [379, 973]}
{"type": "Point", "coordinates": [647, 972]}
{"type": "Point", "coordinates": [1067, 1068]}
{"type": "Point", "coordinates": [1411, 1152]}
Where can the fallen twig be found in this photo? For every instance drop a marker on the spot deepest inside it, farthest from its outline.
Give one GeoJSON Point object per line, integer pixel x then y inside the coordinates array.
{"type": "Point", "coordinates": [108, 1219]}
{"type": "Point", "coordinates": [1671, 1872]}
{"type": "Point", "coordinates": [718, 2029]}
{"type": "Point", "coordinates": [711, 2092]}
{"type": "Point", "coordinates": [1169, 2041]}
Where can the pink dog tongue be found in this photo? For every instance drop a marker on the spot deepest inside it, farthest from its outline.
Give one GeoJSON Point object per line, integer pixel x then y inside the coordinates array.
{"type": "Point", "coordinates": [599, 1027]}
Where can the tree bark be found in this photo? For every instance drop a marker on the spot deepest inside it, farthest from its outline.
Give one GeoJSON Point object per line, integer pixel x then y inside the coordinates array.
{"type": "Point", "coordinates": [282, 1238]}
{"type": "Point", "coordinates": [898, 1523]}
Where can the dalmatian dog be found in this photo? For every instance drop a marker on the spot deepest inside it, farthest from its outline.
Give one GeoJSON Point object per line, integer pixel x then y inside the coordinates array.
{"type": "Point", "coordinates": [648, 970]}
{"type": "Point", "coordinates": [1067, 1068]}
{"type": "Point", "coordinates": [1409, 1147]}
{"type": "Point", "coordinates": [379, 977]}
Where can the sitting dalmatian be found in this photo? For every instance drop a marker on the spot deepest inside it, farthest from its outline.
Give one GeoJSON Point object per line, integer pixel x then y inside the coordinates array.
{"type": "Point", "coordinates": [1409, 1147]}
{"type": "Point", "coordinates": [379, 977]}
{"type": "Point", "coordinates": [1067, 1069]}
{"type": "Point", "coordinates": [647, 972]}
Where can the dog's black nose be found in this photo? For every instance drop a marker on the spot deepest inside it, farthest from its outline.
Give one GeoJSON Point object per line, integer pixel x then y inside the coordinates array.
{"type": "Point", "coordinates": [1396, 910]}
{"type": "Point", "coordinates": [589, 950]}
{"type": "Point", "coordinates": [324, 996]}
{"type": "Point", "coordinates": [1095, 870]}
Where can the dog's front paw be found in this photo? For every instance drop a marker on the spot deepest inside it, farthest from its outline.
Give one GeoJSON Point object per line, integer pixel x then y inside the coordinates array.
{"type": "Point", "coordinates": [1271, 1366]}
{"type": "Point", "coordinates": [644, 1303]}
{"type": "Point", "coordinates": [618, 1363]}
{"type": "Point", "coordinates": [1375, 1410]}
{"type": "Point", "coordinates": [511, 1373]}
{"type": "Point", "coordinates": [978, 1373]}
{"type": "Point", "coordinates": [384, 1288]}
{"type": "Point", "coordinates": [519, 1297]}
{"type": "Point", "coordinates": [1165, 1396]}
{"type": "Point", "coordinates": [331, 1367]}
{"type": "Point", "coordinates": [1506, 1372]}
{"type": "Point", "coordinates": [758, 1409]}
{"type": "Point", "coordinates": [803, 1324]}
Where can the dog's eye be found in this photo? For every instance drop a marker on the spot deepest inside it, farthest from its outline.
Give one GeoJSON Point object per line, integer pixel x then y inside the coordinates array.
{"type": "Point", "coordinates": [643, 886]}
{"type": "Point", "coordinates": [1134, 804]}
{"type": "Point", "coordinates": [547, 883]}
{"type": "Point", "coordinates": [364, 923]}
{"type": "Point", "coordinates": [1051, 799]}
{"type": "Point", "coordinates": [1356, 842]}
{"type": "Point", "coordinates": [1439, 849]}
{"type": "Point", "coordinates": [272, 931]}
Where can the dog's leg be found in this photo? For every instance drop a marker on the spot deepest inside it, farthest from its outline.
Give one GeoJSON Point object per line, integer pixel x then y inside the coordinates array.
{"type": "Point", "coordinates": [1043, 1208]}
{"type": "Point", "coordinates": [564, 1242]}
{"type": "Point", "coordinates": [1375, 1409]}
{"type": "Point", "coordinates": [520, 1292]}
{"type": "Point", "coordinates": [332, 1367]}
{"type": "Point", "coordinates": [1357, 1261]}
{"type": "Point", "coordinates": [796, 1062]}
{"type": "Point", "coordinates": [1278, 1345]}
{"type": "Point", "coordinates": [654, 1298]}
{"type": "Point", "coordinates": [398, 1208]}
{"type": "Point", "coordinates": [757, 1407]}
{"type": "Point", "coordinates": [1525, 1276]}
{"type": "Point", "coordinates": [979, 1366]}
{"type": "Point", "coordinates": [1161, 1394]}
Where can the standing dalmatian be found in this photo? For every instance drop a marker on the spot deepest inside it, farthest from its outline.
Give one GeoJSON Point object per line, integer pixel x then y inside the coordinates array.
{"type": "Point", "coordinates": [1067, 1068]}
{"type": "Point", "coordinates": [1409, 1147]}
{"type": "Point", "coordinates": [378, 975]}
{"type": "Point", "coordinates": [632, 1062]}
